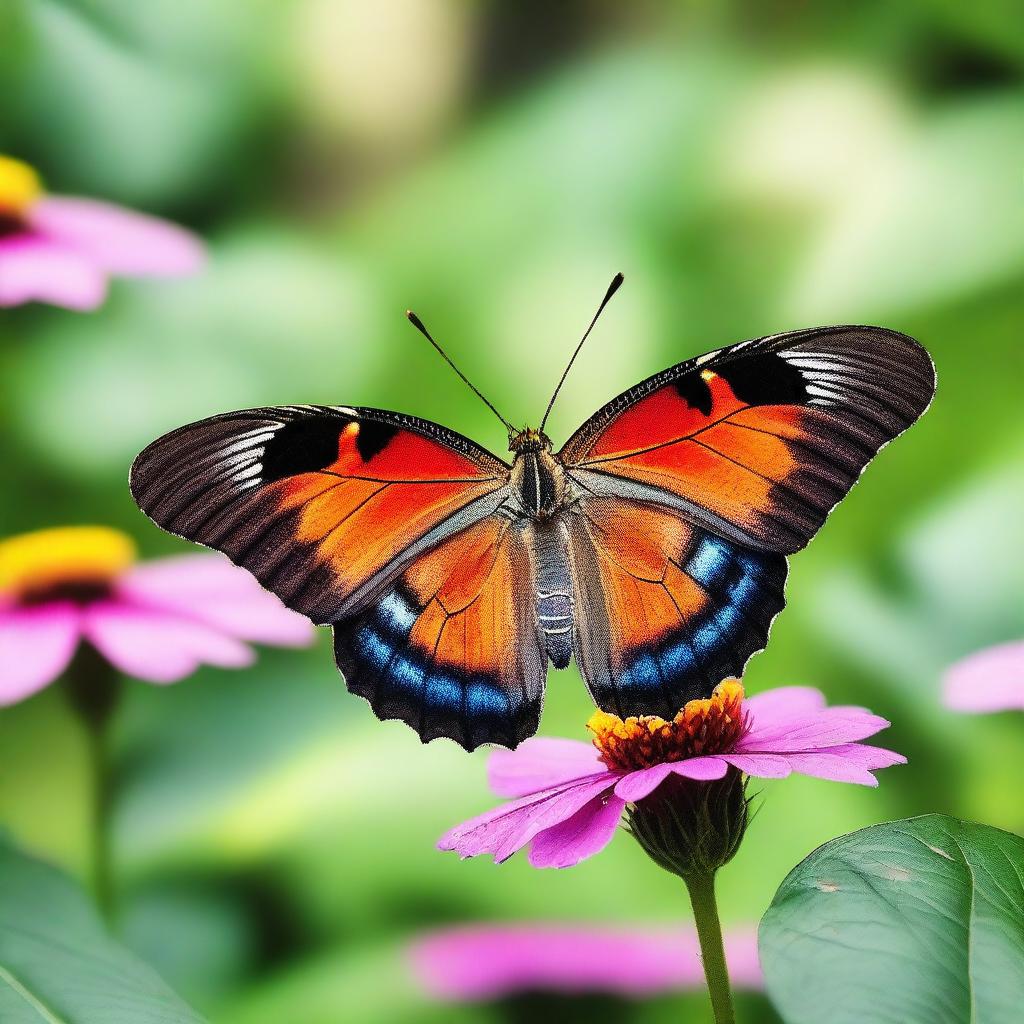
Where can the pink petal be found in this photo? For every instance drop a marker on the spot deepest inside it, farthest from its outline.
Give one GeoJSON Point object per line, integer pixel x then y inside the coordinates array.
{"type": "Point", "coordinates": [706, 768]}
{"type": "Point", "coordinates": [636, 785]}
{"type": "Point", "coordinates": [822, 764]}
{"type": "Point", "coordinates": [487, 962]}
{"type": "Point", "coordinates": [764, 766]}
{"type": "Point", "coordinates": [510, 827]}
{"type": "Point", "coordinates": [541, 763]}
{"type": "Point", "coordinates": [825, 728]}
{"type": "Point", "coordinates": [117, 240]}
{"type": "Point", "coordinates": [587, 832]}
{"type": "Point", "coordinates": [40, 270]}
{"type": "Point", "coordinates": [783, 703]}
{"type": "Point", "coordinates": [210, 589]}
{"type": "Point", "coordinates": [36, 646]}
{"type": "Point", "coordinates": [990, 680]}
{"type": "Point", "coordinates": [158, 647]}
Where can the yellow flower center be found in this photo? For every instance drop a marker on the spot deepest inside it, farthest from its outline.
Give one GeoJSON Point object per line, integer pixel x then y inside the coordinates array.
{"type": "Point", "coordinates": [712, 725]}
{"type": "Point", "coordinates": [20, 187]}
{"type": "Point", "coordinates": [36, 564]}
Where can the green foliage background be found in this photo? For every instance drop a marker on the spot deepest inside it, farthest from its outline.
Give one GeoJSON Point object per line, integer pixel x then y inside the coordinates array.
{"type": "Point", "coordinates": [750, 167]}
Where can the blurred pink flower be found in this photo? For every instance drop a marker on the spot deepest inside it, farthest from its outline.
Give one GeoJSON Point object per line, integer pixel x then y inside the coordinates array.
{"type": "Point", "coordinates": [483, 962]}
{"type": "Point", "coordinates": [571, 795]}
{"type": "Point", "coordinates": [157, 621]}
{"type": "Point", "coordinates": [989, 680]}
{"type": "Point", "coordinates": [62, 250]}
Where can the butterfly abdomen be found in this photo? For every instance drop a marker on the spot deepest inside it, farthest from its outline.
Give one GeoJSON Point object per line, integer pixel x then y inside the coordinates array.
{"type": "Point", "coordinates": [554, 590]}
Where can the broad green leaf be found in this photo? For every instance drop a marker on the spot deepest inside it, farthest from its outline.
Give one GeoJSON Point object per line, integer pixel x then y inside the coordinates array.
{"type": "Point", "coordinates": [59, 966]}
{"type": "Point", "coordinates": [910, 922]}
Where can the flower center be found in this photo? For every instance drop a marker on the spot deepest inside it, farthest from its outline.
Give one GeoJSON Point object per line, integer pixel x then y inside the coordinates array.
{"type": "Point", "coordinates": [76, 562]}
{"type": "Point", "coordinates": [712, 725]}
{"type": "Point", "coordinates": [19, 189]}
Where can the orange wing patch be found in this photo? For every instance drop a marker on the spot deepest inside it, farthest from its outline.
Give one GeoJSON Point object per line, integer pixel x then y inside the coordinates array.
{"type": "Point", "coordinates": [454, 648]}
{"type": "Point", "coordinates": [668, 610]}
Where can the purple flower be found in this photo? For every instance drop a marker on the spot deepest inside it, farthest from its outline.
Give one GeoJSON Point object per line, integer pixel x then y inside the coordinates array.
{"type": "Point", "coordinates": [483, 962]}
{"type": "Point", "coordinates": [62, 250]}
{"type": "Point", "coordinates": [157, 621]}
{"type": "Point", "coordinates": [570, 795]}
{"type": "Point", "coordinates": [989, 680]}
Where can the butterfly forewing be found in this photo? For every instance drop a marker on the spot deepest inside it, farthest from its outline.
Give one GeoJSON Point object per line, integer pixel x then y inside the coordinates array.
{"type": "Point", "coordinates": [321, 504]}
{"type": "Point", "coordinates": [758, 442]}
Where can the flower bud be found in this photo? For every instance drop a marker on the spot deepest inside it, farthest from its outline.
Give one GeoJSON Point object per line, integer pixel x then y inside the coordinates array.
{"type": "Point", "coordinates": [690, 827]}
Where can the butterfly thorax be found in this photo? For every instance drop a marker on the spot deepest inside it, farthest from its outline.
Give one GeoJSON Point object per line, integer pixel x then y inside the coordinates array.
{"type": "Point", "coordinates": [537, 476]}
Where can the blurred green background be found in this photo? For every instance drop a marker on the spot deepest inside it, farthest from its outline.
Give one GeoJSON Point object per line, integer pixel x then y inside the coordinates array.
{"type": "Point", "coordinates": [750, 167]}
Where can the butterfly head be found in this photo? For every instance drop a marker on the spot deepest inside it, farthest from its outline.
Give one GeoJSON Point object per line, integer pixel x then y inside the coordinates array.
{"type": "Point", "coordinates": [529, 440]}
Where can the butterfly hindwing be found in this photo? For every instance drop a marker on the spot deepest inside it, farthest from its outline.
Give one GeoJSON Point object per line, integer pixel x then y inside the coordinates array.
{"type": "Point", "coordinates": [322, 504]}
{"type": "Point", "coordinates": [453, 648]}
{"type": "Point", "coordinates": [759, 441]}
{"type": "Point", "coordinates": [666, 610]}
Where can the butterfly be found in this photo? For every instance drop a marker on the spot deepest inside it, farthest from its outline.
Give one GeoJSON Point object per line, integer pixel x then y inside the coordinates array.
{"type": "Point", "coordinates": [651, 546]}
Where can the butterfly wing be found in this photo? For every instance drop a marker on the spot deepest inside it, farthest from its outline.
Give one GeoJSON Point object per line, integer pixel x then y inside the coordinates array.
{"type": "Point", "coordinates": [453, 647]}
{"type": "Point", "coordinates": [666, 609]}
{"type": "Point", "coordinates": [759, 441]}
{"type": "Point", "coordinates": [324, 505]}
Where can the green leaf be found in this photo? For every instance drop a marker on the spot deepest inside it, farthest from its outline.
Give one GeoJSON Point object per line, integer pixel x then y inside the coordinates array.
{"type": "Point", "coordinates": [909, 922]}
{"type": "Point", "coordinates": [59, 966]}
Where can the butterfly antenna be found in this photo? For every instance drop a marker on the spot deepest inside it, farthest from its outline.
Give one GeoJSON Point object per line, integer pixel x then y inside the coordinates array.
{"type": "Point", "coordinates": [612, 289]}
{"type": "Point", "coordinates": [418, 324]}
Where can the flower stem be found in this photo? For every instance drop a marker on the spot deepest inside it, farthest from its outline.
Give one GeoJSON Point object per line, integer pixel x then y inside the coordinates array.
{"type": "Point", "coordinates": [93, 689]}
{"type": "Point", "coordinates": [709, 931]}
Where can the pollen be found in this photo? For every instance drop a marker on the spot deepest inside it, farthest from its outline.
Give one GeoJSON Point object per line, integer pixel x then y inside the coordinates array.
{"type": "Point", "coordinates": [711, 725]}
{"type": "Point", "coordinates": [19, 186]}
{"type": "Point", "coordinates": [46, 560]}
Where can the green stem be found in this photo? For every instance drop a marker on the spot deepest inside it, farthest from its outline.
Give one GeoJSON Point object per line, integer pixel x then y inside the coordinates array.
{"type": "Point", "coordinates": [712, 951]}
{"type": "Point", "coordinates": [94, 689]}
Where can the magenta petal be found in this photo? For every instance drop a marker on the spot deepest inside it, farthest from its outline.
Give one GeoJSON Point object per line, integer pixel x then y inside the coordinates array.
{"type": "Point", "coordinates": [486, 962]}
{"type": "Point", "coordinates": [636, 785]}
{"type": "Point", "coordinates": [707, 768]}
{"type": "Point", "coordinates": [541, 763]}
{"type": "Point", "coordinates": [36, 645]}
{"type": "Point", "coordinates": [826, 728]}
{"type": "Point", "coordinates": [990, 680]}
{"type": "Point", "coordinates": [853, 762]}
{"type": "Point", "coordinates": [782, 704]}
{"type": "Point", "coordinates": [212, 590]}
{"type": "Point", "coordinates": [117, 240]}
{"type": "Point", "coordinates": [158, 647]}
{"type": "Point", "coordinates": [503, 830]}
{"type": "Point", "coordinates": [34, 269]}
{"type": "Point", "coordinates": [822, 764]}
{"type": "Point", "coordinates": [764, 766]}
{"type": "Point", "coordinates": [587, 832]}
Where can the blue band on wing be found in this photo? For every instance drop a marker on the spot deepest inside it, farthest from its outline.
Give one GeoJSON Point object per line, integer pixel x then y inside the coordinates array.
{"type": "Point", "coordinates": [401, 681]}
{"type": "Point", "coordinates": [745, 591]}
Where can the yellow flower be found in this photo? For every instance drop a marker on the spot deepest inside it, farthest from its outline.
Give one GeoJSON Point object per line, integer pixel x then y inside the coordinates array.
{"type": "Point", "coordinates": [20, 186]}
{"type": "Point", "coordinates": [68, 556]}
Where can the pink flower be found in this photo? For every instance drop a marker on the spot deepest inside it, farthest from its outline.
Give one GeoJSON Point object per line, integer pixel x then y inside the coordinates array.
{"type": "Point", "coordinates": [61, 250]}
{"type": "Point", "coordinates": [157, 621]}
{"type": "Point", "coordinates": [989, 680]}
{"type": "Point", "coordinates": [571, 795]}
{"type": "Point", "coordinates": [485, 962]}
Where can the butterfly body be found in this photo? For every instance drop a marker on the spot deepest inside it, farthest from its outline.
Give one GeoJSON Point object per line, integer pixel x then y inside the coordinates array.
{"type": "Point", "coordinates": [651, 547]}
